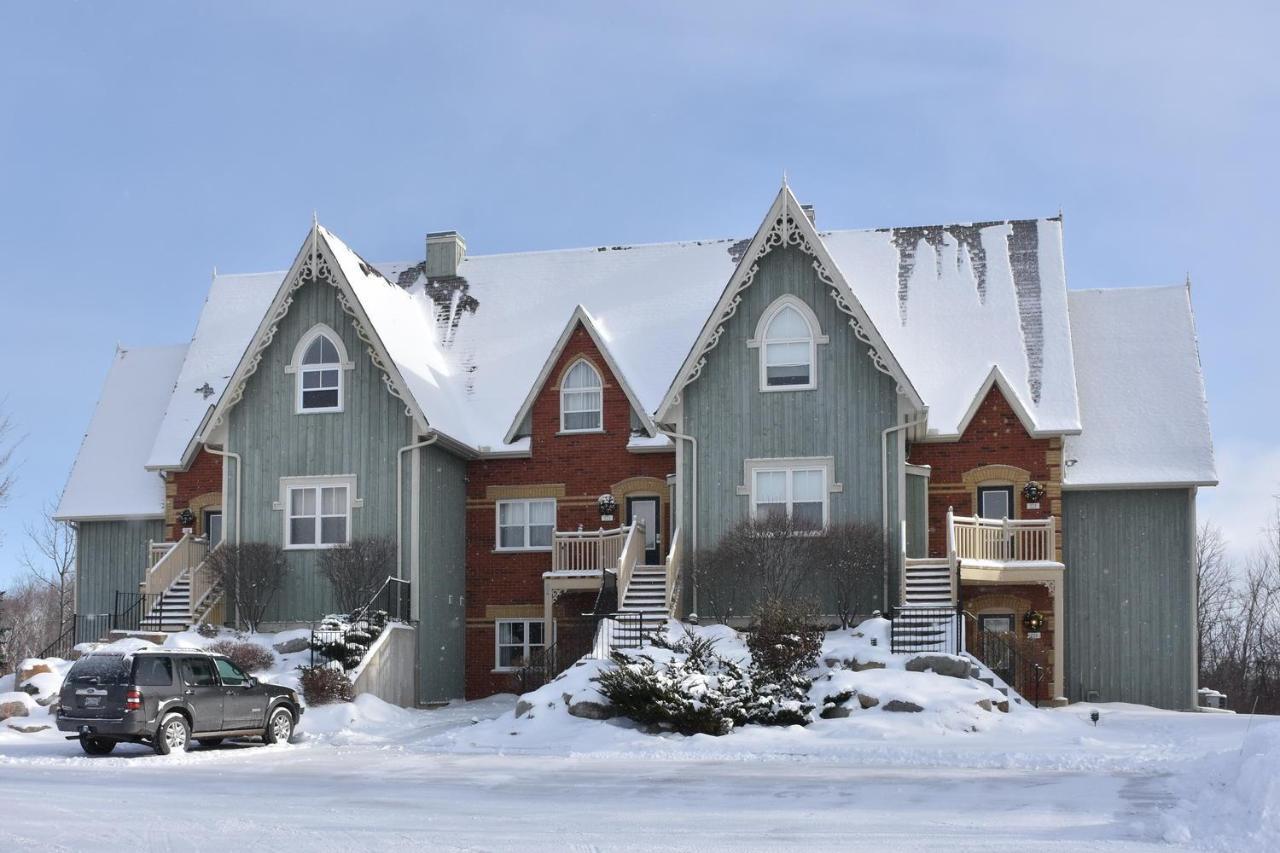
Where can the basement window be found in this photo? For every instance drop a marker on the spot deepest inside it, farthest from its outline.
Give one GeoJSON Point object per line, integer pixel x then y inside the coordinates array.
{"type": "Point", "coordinates": [516, 640]}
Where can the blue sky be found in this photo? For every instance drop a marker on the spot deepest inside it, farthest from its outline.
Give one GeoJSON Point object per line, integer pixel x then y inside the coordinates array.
{"type": "Point", "coordinates": [142, 144]}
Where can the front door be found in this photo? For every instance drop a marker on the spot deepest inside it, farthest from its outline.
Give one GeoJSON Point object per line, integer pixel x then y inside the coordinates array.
{"type": "Point", "coordinates": [647, 510]}
{"type": "Point", "coordinates": [995, 632]}
{"type": "Point", "coordinates": [995, 502]}
{"type": "Point", "coordinates": [213, 526]}
{"type": "Point", "coordinates": [203, 693]}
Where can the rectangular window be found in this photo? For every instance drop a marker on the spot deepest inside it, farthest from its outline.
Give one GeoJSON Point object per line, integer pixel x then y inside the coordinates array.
{"type": "Point", "coordinates": [516, 638]}
{"type": "Point", "coordinates": [800, 493]}
{"type": "Point", "coordinates": [319, 516]}
{"type": "Point", "coordinates": [526, 525]}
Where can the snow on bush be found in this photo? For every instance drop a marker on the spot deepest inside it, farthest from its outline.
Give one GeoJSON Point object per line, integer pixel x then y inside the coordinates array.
{"type": "Point", "coordinates": [345, 640]}
{"type": "Point", "coordinates": [324, 685]}
{"type": "Point", "coordinates": [698, 681]}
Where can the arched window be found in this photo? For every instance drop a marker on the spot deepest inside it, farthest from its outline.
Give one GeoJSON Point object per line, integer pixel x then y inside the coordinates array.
{"type": "Point", "coordinates": [581, 399]}
{"type": "Point", "coordinates": [787, 348]}
{"type": "Point", "coordinates": [319, 361]}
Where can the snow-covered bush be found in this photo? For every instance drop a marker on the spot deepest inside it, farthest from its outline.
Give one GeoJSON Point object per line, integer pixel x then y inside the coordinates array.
{"type": "Point", "coordinates": [347, 641]}
{"type": "Point", "coordinates": [322, 685]}
{"type": "Point", "coordinates": [250, 657]}
{"type": "Point", "coordinates": [685, 686]}
{"type": "Point", "coordinates": [208, 630]}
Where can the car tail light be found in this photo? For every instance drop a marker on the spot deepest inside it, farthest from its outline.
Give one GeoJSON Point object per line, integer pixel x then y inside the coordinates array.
{"type": "Point", "coordinates": [133, 700]}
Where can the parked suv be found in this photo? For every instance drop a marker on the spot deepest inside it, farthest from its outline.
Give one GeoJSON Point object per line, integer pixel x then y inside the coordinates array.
{"type": "Point", "coordinates": [167, 697]}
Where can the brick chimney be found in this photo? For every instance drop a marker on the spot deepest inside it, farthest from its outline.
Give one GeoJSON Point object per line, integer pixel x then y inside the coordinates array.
{"type": "Point", "coordinates": [445, 251]}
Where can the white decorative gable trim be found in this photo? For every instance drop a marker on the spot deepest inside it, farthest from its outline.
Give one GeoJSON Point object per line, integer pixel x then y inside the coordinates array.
{"type": "Point", "coordinates": [314, 263]}
{"type": "Point", "coordinates": [786, 225]}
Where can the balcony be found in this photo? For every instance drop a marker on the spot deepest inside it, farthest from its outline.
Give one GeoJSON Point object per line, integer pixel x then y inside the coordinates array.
{"type": "Point", "coordinates": [1001, 542]}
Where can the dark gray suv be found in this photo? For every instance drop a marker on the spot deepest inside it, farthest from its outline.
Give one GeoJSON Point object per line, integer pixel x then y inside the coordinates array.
{"type": "Point", "coordinates": [167, 698]}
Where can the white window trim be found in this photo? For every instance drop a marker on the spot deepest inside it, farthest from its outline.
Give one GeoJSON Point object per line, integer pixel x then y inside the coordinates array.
{"type": "Point", "coordinates": [825, 464]}
{"type": "Point", "coordinates": [528, 647]}
{"type": "Point", "coordinates": [295, 368]}
{"type": "Point", "coordinates": [287, 484]}
{"type": "Point", "coordinates": [497, 524]}
{"type": "Point", "coordinates": [816, 338]}
{"type": "Point", "coordinates": [565, 430]}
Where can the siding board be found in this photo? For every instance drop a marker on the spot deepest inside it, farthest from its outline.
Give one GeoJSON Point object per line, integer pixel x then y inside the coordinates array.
{"type": "Point", "coordinates": [111, 556]}
{"type": "Point", "coordinates": [1129, 592]}
{"type": "Point", "coordinates": [733, 420]}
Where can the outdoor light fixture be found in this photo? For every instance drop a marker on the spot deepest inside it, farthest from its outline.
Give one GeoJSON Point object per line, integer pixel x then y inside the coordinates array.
{"type": "Point", "coordinates": [186, 519]}
{"type": "Point", "coordinates": [608, 507]}
{"type": "Point", "coordinates": [1093, 715]}
{"type": "Point", "coordinates": [1033, 621]}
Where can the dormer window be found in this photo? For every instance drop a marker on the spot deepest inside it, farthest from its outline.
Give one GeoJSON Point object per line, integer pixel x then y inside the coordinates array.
{"type": "Point", "coordinates": [319, 362]}
{"type": "Point", "coordinates": [788, 336]}
{"type": "Point", "coordinates": [582, 399]}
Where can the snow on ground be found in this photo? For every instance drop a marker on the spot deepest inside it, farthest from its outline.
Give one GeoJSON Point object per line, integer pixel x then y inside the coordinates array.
{"type": "Point", "coordinates": [369, 775]}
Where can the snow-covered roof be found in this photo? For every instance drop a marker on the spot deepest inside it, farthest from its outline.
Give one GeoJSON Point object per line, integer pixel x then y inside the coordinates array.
{"type": "Point", "coordinates": [955, 301]}
{"type": "Point", "coordinates": [1142, 400]}
{"type": "Point", "coordinates": [108, 479]}
{"type": "Point", "coordinates": [232, 311]}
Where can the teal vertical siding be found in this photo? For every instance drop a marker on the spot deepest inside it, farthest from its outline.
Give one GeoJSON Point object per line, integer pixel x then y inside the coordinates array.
{"type": "Point", "coordinates": [843, 418]}
{"type": "Point", "coordinates": [917, 515]}
{"type": "Point", "coordinates": [274, 442]}
{"type": "Point", "coordinates": [1129, 596]}
{"type": "Point", "coordinates": [111, 556]}
{"type": "Point", "coordinates": [442, 552]}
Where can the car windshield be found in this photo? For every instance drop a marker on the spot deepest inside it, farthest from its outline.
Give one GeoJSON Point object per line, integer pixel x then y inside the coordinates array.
{"type": "Point", "coordinates": [99, 669]}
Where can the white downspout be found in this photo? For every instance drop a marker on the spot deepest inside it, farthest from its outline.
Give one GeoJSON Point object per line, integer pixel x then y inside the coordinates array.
{"type": "Point", "coordinates": [884, 495]}
{"type": "Point", "coordinates": [400, 498]}
{"type": "Point", "coordinates": [239, 497]}
{"type": "Point", "coordinates": [693, 493]}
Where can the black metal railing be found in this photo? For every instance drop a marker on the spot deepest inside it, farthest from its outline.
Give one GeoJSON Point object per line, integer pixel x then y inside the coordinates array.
{"type": "Point", "coordinates": [392, 598]}
{"type": "Point", "coordinates": [1000, 653]}
{"type": "Point", "coordinates": [926, 629]}
{"type": "Point", "coordinates": [626, 630]}
{"type": "Point", "coordinates": [132, 610]}
{"type": "Point", "coordinates": [81, 628]}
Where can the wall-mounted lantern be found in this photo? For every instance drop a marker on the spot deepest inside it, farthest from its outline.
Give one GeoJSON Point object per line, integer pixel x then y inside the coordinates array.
{"type": "Point", "coordinates": [1032, 493]}
{"type": "Point", "coordinates": [1033, 622]}
{"type": "Point", "coordinates": [608, 505]}
{"type": "Point", "coordinates": [187, 520]}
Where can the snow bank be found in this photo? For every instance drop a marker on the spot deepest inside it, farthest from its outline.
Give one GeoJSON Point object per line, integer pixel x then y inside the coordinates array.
{"type": "Point", "coordinates": [1232, 799]}
{"type": "Point", "coordinates": [877, 698]}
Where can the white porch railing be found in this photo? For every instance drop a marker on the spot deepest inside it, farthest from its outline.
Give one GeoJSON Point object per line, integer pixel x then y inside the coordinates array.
{"type": "Point", "coordinates": [183, 556]}
{"type": "Point", "coordinates": [1005, 540]}
{"type": "Point", "coordinates": [674, 567]}
{"type": "Point", "coordinates": [587, 550]}
{"type": "Point", "coordinates": [156, 551]}
{"type": "Point", "coordinates": [632, 554]}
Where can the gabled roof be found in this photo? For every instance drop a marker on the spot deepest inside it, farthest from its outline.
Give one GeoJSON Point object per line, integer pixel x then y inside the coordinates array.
{"type": "Point", "coordinates": [996, 379]}
{"type": "Point", "coordinates": [956, 301]}
{"type": "Point", "coordinates": [579, 315]}
{"type": "Point", "coordinates": [400, 338]}
{"type": "Point", "coordinates": [232, 310]}
{"type": "Point", "coordinates": [786, 224]}
{"type": "Point", "coordinates": [1142, 399]}
{"type": "Point", "coordinates": [108, 478]}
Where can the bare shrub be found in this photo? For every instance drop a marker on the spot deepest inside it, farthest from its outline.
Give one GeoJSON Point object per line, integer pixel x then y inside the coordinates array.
{"type": "Point", "coordinates": [250, 657]}
{"type": "Point", "coordinates": [357, 571]}
{"type": "Point", "coordinates": [324, 685]}
{"type": "Point", "coordinates": [849, 557]}
{"type": "Point", "coordinates": [770, 558]}
{"type": "Point", "coordinates": [785, 638]}
{"type": "Point", "coordinates": [251, 574]}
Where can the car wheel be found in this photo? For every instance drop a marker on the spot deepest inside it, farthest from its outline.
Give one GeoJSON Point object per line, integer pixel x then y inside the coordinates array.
{"type": "Point", "coordinates": [96, 745]}
{"type": "Point", "coordinates": [173, 735]}
{"type": "Point", "coordinates": [279, 727]}
{"type": "Point", "coordinates": [209, 741]}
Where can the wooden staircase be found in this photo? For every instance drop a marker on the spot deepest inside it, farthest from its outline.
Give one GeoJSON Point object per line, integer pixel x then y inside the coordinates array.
{"type": "Point", "coordinates": [172, 611]}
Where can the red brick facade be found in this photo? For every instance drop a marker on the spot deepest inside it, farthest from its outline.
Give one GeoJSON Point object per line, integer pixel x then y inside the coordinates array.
{"type": "Point", "coordinates": [198, 488]}
{"type": "Point", "coordinates": [994, 437]}
{"type": "Point", "coordinates": [575, 469]}
{"type": "Point", "coordinates": [1018, 600]}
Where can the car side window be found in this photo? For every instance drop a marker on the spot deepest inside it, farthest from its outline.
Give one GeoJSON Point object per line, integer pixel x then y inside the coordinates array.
{"type": "Point", "coordinates": [199, 672]}
{"type": "Point", "coordinates": [231, 674]}
{"type": "Point", "coordinates": [153, 672]}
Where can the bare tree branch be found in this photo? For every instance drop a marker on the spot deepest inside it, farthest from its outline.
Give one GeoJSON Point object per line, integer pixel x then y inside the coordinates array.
{"type": "Point", "coordinates": [53, 565]}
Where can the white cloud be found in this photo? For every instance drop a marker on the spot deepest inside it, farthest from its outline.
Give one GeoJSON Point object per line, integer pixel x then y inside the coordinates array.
{"type": "Point", "coordinates": [1246, 498]}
